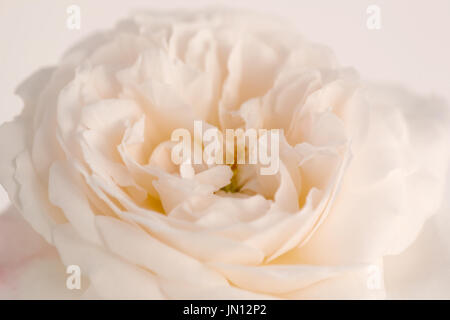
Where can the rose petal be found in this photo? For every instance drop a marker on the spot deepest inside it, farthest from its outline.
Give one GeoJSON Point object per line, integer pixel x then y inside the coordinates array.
{"type": "Point", "coordinates": [111, 277]}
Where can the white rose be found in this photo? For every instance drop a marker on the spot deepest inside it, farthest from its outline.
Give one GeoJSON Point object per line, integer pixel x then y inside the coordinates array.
{"type": "Point", "coordinates": [362, 167]}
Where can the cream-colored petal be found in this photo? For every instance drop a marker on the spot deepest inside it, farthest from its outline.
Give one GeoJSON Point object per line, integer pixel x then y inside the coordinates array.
{"type": "Point", "coordinates": [66, 192]}
{"type": "Point", "coordinates": [361, 282]}
{"type": "Point", "coordinates": [111, 277]}
{"type": "Point", "coordinates": [137, 247]}
{"type": "Point", "coordinates": [422, 271]}
{"type": "Point", "coordinates": [251, 68]}
{"type": "Point", "coordinates": [277, 279]}
{"type": "Point", "coordinates": [393, 184]}
{"type": "Point", "coordinates": [204, 247]}
{"type": "Point", "coordinates": [32, 199]}
{"type": "Point", "coordinates": [179, 291]}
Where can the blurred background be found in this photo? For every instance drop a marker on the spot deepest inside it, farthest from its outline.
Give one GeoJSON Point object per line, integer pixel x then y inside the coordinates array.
{"type": "Point", "coordinates": [411, 48]}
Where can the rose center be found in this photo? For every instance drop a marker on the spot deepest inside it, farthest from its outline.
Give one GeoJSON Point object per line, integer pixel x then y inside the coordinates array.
{"type": "Point", "coordinates": [233, 186]}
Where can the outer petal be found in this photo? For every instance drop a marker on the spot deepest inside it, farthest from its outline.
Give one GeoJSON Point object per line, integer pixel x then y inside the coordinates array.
{"type": "Point", "coordinates": [394, 183]}
{"type": "Point", "coordinates": [29, 267]}
{"type": "Point", "coordinates": [66, 192]}
{"type": "Point", "coordinates": [365, 282]}
{"type": "Point", "coordinates": [140, 248]}
{"type": "Point", "coordinates": [423, 270]}
{"type": "Point", "coordinates": [277, 279]}
{"type": "Point", "coordinates": [105, 271]}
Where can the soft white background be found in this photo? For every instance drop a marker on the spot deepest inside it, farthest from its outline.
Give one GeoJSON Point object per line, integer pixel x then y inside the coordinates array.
{"type": "Point", "coordinates": [412, 48]}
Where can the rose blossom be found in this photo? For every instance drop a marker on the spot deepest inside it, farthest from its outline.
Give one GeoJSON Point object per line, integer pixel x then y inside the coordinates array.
{"type": "Point", "coordinates": [87, 163]}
